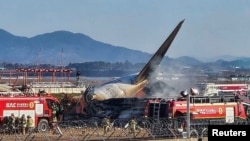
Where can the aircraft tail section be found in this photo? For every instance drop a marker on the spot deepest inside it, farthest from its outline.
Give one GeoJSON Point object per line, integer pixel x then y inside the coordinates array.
{"type": "Point", "coordinates": [158, 56]}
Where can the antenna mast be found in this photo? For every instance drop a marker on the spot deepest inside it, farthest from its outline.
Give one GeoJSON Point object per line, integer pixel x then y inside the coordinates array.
{"type": "Point", "coordinates": [37, 66]}
{"type": "Point", "coordinates": [62, 65]}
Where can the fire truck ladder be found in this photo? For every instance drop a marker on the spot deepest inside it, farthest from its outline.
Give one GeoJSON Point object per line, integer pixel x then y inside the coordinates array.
{"type": "Point", "coordinates": [157, 126]}
{"type": "Point", "coordinates": [156, 110]}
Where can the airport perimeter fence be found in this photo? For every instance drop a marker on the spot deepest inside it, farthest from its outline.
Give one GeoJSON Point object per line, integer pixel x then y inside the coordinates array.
{"type": "Point", "coordinates": [91, 129]}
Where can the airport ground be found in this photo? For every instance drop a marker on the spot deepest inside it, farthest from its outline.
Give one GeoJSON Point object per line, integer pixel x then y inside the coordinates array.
{"type": "Point", "coordinates": [51, 138]}
{"type": "Point", "coordinates": [77, 136]}
{"type": "Point", "coordinates": [90, 130]}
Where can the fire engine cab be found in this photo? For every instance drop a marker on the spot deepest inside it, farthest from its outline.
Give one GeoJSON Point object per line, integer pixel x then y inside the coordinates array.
{"type": "Point", "coordinates": [38, 107]}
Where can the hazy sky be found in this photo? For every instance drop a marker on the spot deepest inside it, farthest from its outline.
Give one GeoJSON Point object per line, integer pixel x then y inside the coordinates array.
{"type": "Point", "coordinates": [211, 27]}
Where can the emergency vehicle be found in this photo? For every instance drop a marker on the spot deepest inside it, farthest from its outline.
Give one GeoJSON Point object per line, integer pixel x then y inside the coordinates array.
{"type": "Point", "coordinates": [202, 108]}
{"type": "Point", "coordinates": [210, 108]}
{"type": "Point", "coordinates": [39, 107]}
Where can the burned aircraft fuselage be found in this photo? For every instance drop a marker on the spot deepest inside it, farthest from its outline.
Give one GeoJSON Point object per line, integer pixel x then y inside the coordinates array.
{"type": "Point", "coordinates": [117, 108]}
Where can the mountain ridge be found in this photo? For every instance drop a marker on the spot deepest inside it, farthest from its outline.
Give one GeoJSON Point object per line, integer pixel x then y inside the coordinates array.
{"type": "Point", "coordinates": [64, 47]}
{"type": "Point", "coordinates": [76, 47]}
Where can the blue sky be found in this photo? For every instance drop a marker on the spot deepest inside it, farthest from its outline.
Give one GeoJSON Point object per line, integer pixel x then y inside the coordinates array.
{"type": "Point", "coordinates": [212, 27]}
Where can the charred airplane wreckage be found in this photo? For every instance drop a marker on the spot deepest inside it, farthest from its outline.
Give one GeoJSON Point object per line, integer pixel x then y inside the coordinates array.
{"type": "Point", "coordinates": [119, 97]}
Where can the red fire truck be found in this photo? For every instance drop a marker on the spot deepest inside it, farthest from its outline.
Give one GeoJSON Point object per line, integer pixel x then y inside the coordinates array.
{"type": "Point", "coordinates": [210, 108]}
{"type": "Point", "coordinates": [227, 109]}
{"type": "Point", "coordinates": [38, 107]}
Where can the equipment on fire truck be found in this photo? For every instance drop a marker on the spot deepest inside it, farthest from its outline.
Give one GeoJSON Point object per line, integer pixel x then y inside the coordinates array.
{"type": "Point", "coordinates": [193, 91]}
{"type": "Point", "coordinates": [156, 108]}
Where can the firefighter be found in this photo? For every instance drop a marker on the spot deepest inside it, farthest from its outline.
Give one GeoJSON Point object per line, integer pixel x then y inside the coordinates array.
{"type": "Point", "coordinates": [6, 121]}
{"type": "Point", "coordinates": [29, 124]}
{"type": "Point", "coordinates": [106, 125]}
{"type": "Point", "coordinates": [54, 109]}
{"type": "Point", "coordinates": [54, 117]}
{"type": "Point", "coordinates": [132, 126]}
{"type": "Point", "coordinates": [54, 123]}
{"type": "Point", "coordinates": [61, 112]}
{"type": "Point", "coordinates": [11, 121]}
{"type": "Point", "coordinates": [23, 123]}
{"type": "Point", "coordinates": [248, 112]}
{"type": "Point", "coordinates": [78, 73]}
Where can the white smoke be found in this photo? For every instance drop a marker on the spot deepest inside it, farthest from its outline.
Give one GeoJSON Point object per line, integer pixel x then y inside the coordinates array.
{"type": "Point", "coordinates": [170, 80]}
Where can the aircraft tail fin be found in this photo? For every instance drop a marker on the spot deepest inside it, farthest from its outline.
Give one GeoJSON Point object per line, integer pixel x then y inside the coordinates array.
{"type": "Point", "coordinates": [158, 56]}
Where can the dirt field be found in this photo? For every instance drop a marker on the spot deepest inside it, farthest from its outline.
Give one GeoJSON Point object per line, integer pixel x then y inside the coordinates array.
{"type": "Point", "coordinates": [49, 137]}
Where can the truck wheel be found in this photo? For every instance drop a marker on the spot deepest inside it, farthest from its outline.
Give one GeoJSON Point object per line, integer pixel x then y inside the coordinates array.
{"type": "Point", "coordinates": [43, 125]}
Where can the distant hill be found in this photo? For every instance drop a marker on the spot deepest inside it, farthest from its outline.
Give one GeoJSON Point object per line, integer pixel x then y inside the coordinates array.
{"type": "Point", "coordinates": [63, 47]}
